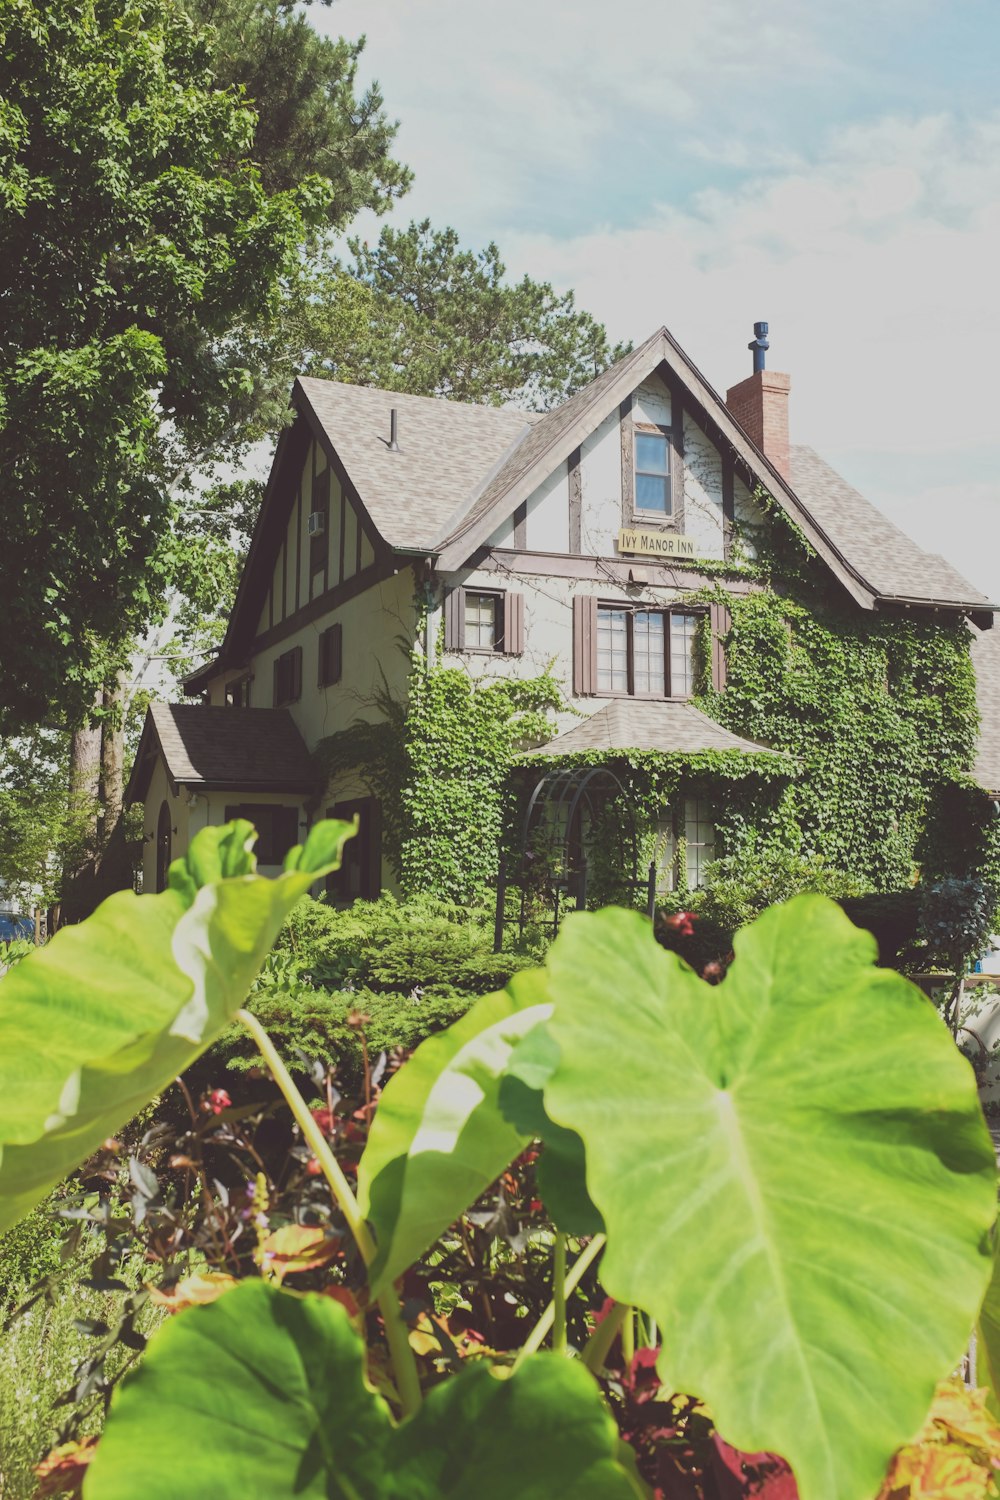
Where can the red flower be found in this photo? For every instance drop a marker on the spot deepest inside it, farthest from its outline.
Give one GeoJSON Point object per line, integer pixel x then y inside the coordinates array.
{"type": "Point", "coordinates": [313, 1167]}
{"type": "Point", "coordinates": [214, 1102]}
{"type": "Point", "coordinates": [324, 1119]}
{"type": "Point", "coordinates": [681, 923]}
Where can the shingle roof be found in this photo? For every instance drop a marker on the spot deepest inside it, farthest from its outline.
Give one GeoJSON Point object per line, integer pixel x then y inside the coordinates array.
{"type": "Point", "coordinates": [888, 559]}
{"type": "Point", "coordinates": [986, 660]}
{"type": "Point", "coordinates": [640, 724]}
{"type": "Point", "coordinates": [543, 436]}
{"type": "Point", "coordinates": [238, 749]}
{"type": "Point", "coordinates": [447, 451]}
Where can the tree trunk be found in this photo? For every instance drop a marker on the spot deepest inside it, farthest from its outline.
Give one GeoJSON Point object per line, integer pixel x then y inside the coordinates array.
{"type": "Point", "coordinates": [114, 869]}
{"type": "Point", "coordinates": [84, 808]}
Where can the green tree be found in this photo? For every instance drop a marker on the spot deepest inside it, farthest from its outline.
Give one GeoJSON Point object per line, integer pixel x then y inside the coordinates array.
{"type": "Point", "coordinates": [310, 117]}
{"type": "Point", "coordinates": [445, 321]}
{"type": "Point", "coordinates": [137, 234]}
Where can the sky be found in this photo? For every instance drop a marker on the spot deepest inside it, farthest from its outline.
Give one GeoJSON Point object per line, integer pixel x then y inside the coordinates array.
{"type": "Point", "coordinates": [832, 168]}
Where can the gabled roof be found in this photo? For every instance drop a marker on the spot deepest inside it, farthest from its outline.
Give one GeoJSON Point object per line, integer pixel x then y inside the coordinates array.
{"type": "Point", "coordinates": [637, 724]}
{"type": "Point", "coordinates": [222, 749]}
{"type": "Point", "coordinates": [446, 448]}
{"type": "Point", "coordinates": [891, 562]}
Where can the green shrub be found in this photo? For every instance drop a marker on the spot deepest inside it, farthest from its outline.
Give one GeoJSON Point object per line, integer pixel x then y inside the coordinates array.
{"type": "Point", "coordinates": [29, 1251]}
{"type": "Point", "coordinates": [392, 947]}
{"type": "Point", "coordinates": [314, 1024]}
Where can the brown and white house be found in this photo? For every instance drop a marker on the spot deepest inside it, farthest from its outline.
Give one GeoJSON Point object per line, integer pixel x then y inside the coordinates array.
{"type": "Point", "coordinates": [573, 540]}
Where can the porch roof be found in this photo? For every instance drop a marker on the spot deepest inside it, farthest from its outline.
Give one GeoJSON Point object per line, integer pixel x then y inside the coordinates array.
{"type": "Point", "coordinates": [643, 724]}
{"type": "Point", "coordinates": [222, 749]}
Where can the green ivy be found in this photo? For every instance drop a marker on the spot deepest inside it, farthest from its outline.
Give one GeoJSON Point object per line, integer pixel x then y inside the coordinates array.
{"type": "Point", "coordinates": [441, 766]}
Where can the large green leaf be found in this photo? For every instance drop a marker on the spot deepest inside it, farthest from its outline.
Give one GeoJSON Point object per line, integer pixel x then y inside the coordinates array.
{"type": "Point", "coordinates": [102, 1018]}
{"type": "Point", "coordinates": [262, 1393]}
{"type": "Point", "coordinates": [794, 1172]}
{"type": "Point", "coordinates": [988, 1335]}
{"type": "Point", "coordinates": [439, 1138]}
{"type": "Point", "coordinates": [561, 1171]}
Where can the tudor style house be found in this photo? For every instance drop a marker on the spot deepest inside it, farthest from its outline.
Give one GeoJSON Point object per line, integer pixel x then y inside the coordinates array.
{"type": "Point", "coordinates": [581, 541]}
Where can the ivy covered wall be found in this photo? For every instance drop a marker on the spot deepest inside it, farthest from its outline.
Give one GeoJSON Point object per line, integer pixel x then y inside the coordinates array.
{"type": "Point", "coordinates": [872, 716]}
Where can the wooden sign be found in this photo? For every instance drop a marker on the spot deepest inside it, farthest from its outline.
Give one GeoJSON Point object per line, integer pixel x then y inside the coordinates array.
{"type": "Point", "coordinates": [656, 544]}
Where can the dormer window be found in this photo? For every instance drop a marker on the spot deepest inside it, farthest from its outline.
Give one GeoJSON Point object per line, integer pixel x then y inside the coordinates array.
{"type": "Point", "coordinates": [652, 472]}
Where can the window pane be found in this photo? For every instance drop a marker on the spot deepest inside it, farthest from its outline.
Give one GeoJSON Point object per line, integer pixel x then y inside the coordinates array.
{"type": "Point", "coordinates": [480, 621]}
{"type": "Point", "coordinates": [699, 835]}
{"type": "Point", "coordinates": [612, 651]}
{"type": "Point", "coordinates": [665, 854]}
{"type": "Point", "coordinates": [650, 453]}
{"type": "Point", "coordinates": [647, 645]}
{"type": "Point", "coordinates": [682, 634]}
{"type": "Point", "coordinates": [651, 493]}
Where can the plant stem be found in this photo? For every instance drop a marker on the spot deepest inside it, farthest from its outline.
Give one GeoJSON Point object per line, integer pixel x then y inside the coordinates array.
{"type": "Point", "coordinates": [583, 1261]}
{"type": "Point", "coordinates": [599, 1344]}
{"type": "Point", "coordinates": [339, 1185]}
{"type": "Point", "coordinates": [403, 1362]}
{"type": "Point", "coordinates": [628, 1338]}
{"type": "Point", "coordinates": [559, 1294]}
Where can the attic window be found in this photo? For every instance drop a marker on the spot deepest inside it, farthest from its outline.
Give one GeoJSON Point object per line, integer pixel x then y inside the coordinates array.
{"type": "Point", "coordinates": [652, 472]}
{"type": "Point", "coordinates": [288, 677]}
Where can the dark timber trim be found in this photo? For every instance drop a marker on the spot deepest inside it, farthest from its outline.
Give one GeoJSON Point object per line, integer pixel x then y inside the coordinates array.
{"type": "Point", "coordinates": [602, 569]}
{"type": "Point", "coordinates": [521, 525]}
{"type": "Point", "coordinates": [324, 603]}
{"type": "Point", "coordinates": [728, 506]}
{"type": "Point", "coordinates": [575, 472]}
{"type": "Point", "coordinates": [628, 460]}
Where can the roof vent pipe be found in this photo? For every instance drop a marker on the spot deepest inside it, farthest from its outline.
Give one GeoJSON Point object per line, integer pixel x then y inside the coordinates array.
{"type": "Point", "coordinates": [759, 346]}
{"type": "Point", "coordinates": [394, 431]}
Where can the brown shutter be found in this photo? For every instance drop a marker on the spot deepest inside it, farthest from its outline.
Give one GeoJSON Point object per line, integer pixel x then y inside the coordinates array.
{"type": "Point", "coordinates": [277, 681]}
{"type": "Point", "coordinates": [454, 620]}
{"type": "Point", "coordinates": [720, 620]}
{"type": "Point", "coordinates": [296, 674]}
{"type": "Point", "coordinates": [513, 625]}
{"type": "Point", "coordinates": [331, 655]}
{"type": "Point", "coordinates": [584, 644]}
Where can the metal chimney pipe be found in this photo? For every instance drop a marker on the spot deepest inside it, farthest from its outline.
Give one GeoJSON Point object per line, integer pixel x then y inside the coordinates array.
{"type": "Point", "coordinates": [759, 346]}
{"type": "Point", "coordinates": [394, 431]}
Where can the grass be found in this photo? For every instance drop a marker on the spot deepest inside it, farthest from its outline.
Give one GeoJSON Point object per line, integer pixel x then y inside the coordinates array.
{"type": "Point", "coordinates": [38, 1353]}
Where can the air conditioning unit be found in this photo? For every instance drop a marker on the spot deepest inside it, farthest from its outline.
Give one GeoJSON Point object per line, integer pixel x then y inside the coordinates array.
{"type": "Point", "coordinates": [316, 523]}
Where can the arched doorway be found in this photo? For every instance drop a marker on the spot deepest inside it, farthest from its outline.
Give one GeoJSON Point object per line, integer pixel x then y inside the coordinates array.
{"type": "Point", "coordinates": [163, 834]}
{"type": "Point", "coordinates": [550, 865]}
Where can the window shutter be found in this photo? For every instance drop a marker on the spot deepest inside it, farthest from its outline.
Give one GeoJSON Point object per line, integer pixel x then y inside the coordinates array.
{"type": "Point", "coordinates": [513, 625]}
{"type": "Point", "coordinates": [454, 620]}
{"type": "Point", "coordinates": [277, 681]}
{"type": "Point", "coordinates": [296, 674]}
{"type": "Point", "coordinates": [331, 655]}
{"type": "Point", "coordinates": [721, 621]}
{"type": "Point", "coordinates": [585, 644]}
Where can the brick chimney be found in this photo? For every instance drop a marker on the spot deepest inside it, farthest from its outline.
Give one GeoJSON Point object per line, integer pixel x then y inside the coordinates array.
{"type": "Point", "coordinates": [760, 405]}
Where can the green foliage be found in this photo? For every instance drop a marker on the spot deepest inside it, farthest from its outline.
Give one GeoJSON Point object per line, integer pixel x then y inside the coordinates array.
{"type": "Point", "coordinates": [324, 1435]}
{"type": "Point", "coordinates": [439, 1138]}
{"type": "Point", "coordinates": [109, 1012]}
{"type": "Point", "coordinates": [441, 766]}
{"type": "Point", "coordinates": [878, 711]}
{"type": "Point", "coordinates": [750, 1201]}
{"type": "Point", "coordinates": [137, 234]}
{"type": "Point", "coordinates": [445, 322]}
{"type": "Point", "coordinates": [791, 1167]}
{"type": "Point", "coordinates": [309, 118]}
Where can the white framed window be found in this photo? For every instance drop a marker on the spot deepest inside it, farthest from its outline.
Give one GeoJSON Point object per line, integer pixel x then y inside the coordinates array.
{"type": "Point", "coordinates": [652, 473]}
{"type": "Point", "coordinates": [645, 653]}
{"type": "Point", "coordinates": [480, 622]}
{"type": "Point", "coordinates": [699, 839]}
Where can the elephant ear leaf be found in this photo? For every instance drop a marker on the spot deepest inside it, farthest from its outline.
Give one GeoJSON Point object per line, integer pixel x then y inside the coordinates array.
{"type": "Point", "coordinates": [268, 1389]}
{"type": "Point", "coordinates": [100, 1020]}
{"type": "Point", "coordinates": [794, 1173]}
{"type": "Point", "coordinates": [561, 1171]}
{"type": "Point", "coordinates": [439, 1137]}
